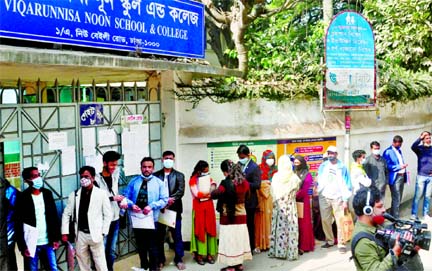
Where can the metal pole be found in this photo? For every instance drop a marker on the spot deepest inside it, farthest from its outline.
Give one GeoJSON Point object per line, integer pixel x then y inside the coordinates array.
{"type": "Point", "coordinates": [347, 137]}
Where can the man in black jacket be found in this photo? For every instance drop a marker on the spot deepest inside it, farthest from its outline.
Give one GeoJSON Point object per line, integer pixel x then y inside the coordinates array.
{"type": "Point", "coordinates": [36, 208]}
{"type": "Point", "coordinates": [253, 175]}
{"type": "Point", "coordinates": [175, 182]}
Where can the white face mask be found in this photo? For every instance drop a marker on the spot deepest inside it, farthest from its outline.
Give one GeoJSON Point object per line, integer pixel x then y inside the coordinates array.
{"type": "Point", "coordinates": [38, 183]}
{"type": "Point", "coordinates": [270, 162]}
{"type": "Point", "coordinates": [376, 152]}
{"type": "Point", "coordinates": [205, 173]}
{"type": "Point", "coordinates": [85, 182]}
{"type": "Point", "coordinates": [168, 163]}
{"type": "Point", "coordinates": [363, 161]}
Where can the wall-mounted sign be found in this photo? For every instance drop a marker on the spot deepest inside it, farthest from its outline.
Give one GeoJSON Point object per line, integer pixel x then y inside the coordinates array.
{"type": "Point", "coordinates": [169, 27]}
{"type": "Point", "coordinates": [350, 76]}
{"type": "Point", "coordinates": [91, 114]}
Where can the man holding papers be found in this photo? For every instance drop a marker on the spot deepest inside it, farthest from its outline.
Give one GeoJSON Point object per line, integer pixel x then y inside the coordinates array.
{"type": "Point", "coordinates": [146, 196]}
{"type": "Point", "coordinates": [37, 223]}
{"type": "Point", "coordinates": [175, 182]}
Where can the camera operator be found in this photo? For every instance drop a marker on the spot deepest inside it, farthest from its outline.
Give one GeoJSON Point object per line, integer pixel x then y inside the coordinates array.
{"type": "Point", "coordinates": [368, 252]}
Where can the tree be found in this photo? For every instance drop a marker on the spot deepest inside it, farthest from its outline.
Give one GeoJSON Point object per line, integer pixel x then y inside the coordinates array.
{"type": "Point", "coordinates": [237, 16]}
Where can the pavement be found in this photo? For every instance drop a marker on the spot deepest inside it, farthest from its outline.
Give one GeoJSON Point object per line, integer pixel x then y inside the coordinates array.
{"type": "Point", "coordinates": [320, 259]}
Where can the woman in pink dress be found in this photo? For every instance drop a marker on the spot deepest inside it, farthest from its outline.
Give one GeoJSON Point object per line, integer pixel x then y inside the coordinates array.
{"type": "Point", "coordinates": [306, 234]}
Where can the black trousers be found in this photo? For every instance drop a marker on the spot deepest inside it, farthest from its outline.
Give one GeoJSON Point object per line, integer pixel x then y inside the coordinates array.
{"type": "Point", "coordinates": [147, 248]}
{"type": "Point", "coordinates": [250, 221]}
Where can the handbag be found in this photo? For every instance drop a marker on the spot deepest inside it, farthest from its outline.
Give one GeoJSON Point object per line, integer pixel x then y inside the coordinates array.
{"type": "Point", "coordinates": [300, 209]}
{"type": "Point", "coordinates": [72, 220]}
{"type": "Point", "coordinates": [347, 224]}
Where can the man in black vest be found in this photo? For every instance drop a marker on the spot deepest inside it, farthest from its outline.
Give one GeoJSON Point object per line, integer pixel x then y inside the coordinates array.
{"type": "Point", "coordinates": [175, 182]}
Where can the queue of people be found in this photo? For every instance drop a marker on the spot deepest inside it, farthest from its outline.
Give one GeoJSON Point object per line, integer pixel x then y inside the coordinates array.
{"type": "Point", "coordinates": [263, 208]}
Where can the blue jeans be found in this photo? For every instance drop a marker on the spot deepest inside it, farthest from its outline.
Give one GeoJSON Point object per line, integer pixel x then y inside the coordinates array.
{"type": "Point", "coordinates": [178, 241]}
{"type": "Point", "coordinates": [423, 188]}
{"type": "Point", "coordinates": [47, 255]}
{"type": "Point", "coordinates": [110, 243]}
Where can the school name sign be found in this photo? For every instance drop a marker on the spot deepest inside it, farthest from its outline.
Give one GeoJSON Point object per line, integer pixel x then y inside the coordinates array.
{"type": "Point", "coordinates": [169, 27]}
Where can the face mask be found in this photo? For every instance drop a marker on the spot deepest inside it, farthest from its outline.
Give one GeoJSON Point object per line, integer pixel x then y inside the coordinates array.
{"type": "Point", "coordinates": [332, 158]}
{"type": "Point", "coordinates": [85, 182]}
{"type": "Point", "coordinates": [37, 183]}
{"type": "Point", "coordinates": [363, 161]}
{"type": "Point", "coordinates": [243, 161]}
{"type": "Point", "coordinates": [147, 177]}
{"type": "Point", "coordinates": [378, 220]}
{"type": "Point", "coordinates": [270, 162]}
{"type": "Point", "coordinates": [205, 173]}
{"type": "Point", "coordinates": [168, 163]}
{"type": "Point", "coordinates": [376, 152]}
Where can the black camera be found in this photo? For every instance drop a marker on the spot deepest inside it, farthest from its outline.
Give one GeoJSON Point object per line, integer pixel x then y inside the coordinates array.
{"type": "Point", "coordinates": [421, 237]}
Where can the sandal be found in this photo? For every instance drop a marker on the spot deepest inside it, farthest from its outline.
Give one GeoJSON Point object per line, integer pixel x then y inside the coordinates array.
{"type": "Point", "coordinates": [181, 266]}
{"type": "Point", "coordinates": [239, 267]}
{"type": "Point", "coordinates": [228, 268]}
{"type": "Point", "coordinates": [199, 260]}
{"type": "Point", "coordinates": [210, 259]}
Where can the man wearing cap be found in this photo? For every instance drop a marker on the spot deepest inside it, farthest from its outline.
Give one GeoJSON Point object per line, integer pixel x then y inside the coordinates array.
{"type": "Point", "coordinates": [397, 173]}
{"type": "Point", "coordinates": [334, 190]}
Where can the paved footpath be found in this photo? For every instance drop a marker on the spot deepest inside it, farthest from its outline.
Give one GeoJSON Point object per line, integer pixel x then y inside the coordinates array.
{"type": "Point", "coordinates": [321, 259]}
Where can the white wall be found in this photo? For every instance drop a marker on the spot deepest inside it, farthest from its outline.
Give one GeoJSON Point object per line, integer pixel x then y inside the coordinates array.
{"type": "Point", "coordinates": [262, 120]}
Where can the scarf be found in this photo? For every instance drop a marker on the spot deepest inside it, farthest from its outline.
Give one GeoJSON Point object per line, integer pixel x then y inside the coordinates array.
{"type": "Point", "coordinates": [302, 170]}
{"type": "Point", "coordinates": [266, 171]}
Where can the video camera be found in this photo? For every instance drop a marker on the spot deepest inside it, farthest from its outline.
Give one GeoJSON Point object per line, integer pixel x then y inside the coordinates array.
{"type": "Point", "coordinates": [421, 237]}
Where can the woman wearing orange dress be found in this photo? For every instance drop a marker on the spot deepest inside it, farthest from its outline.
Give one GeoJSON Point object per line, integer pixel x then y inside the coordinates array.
{"type": "Point", "coordinates": [263, 216]}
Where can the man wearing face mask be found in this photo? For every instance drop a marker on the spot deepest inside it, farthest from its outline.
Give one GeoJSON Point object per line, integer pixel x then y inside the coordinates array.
{"type": "Point", "coordinates": [358, 174]}
{"type": "Point", "coordinates": [423, 149]}
{"type": "Point", "coordinates": [334, 191]}
{"type": "Point", "coordinates": [92, 212]}
{"type": "Point", "coordinates": [146, 194]}
{"type": "Point", "coordinates": [175, 182]}
{"type": "Point", "coordinates": [36, 207]}
{"type": "Point", "coordinates": [368, 252]}
{"type": "Point", "coordinates": [376, 168]}
{"type": "Point", "coordinates": [397, 173]}
{"type": "Point", "coordinates": [253, 176]}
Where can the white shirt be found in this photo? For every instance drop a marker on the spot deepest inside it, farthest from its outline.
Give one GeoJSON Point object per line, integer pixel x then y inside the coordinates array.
{"type": "Point", "coordinates": [399, 157]}
{"type": "Point", "coordinates": [40, 219]}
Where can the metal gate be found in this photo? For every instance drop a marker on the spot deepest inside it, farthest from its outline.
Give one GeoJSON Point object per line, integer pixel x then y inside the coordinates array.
{"type": "Point", "coordinates": [49, 109]}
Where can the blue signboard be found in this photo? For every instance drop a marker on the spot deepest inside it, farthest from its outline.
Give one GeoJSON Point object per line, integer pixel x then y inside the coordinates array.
{"type": "Point", "coordinates": [350, 79]}
{"type": "Point", "coordinates": [91, 114]}
{"type": "Point", "coordinates": [168, 27]}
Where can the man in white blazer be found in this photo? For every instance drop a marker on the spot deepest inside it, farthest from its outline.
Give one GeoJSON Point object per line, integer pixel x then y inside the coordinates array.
{"type": "Point", "coordinates": [91, 210]}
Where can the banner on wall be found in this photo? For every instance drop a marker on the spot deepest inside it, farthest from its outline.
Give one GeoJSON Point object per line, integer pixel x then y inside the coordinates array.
{"type": "Point", "coordinates": [312, 149]}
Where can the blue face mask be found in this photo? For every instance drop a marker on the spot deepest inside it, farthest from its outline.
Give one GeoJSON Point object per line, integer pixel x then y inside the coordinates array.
{"type": "Point", "coordinates": [37, 183]}
{"type": "Point", "coordinates": [332, 158]}
{"type": "Point", "coordinates": [243, 161]}
{"type": "Point", "coordinates": [168, 163]}
{"type": "Point", "coordinates": [147, 177]}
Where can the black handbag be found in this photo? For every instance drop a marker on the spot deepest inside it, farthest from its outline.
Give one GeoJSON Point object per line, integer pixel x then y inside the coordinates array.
{"type": "Point", "coordinates": [72, 220]}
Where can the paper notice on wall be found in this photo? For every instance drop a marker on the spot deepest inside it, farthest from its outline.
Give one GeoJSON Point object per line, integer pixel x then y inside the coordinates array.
{"type": "Point", "coordinates": [68, 160]}
{"type": "Point", "coordinates": [57, 140]}
{"type": "Point", "coordinates": [107, 137]}
{"type": "Point", "coordinates": [94, 161]}
{"type": "Point", "coordinates": [135, 146]}
{"type": "Point", "coordinates": [89, 141]}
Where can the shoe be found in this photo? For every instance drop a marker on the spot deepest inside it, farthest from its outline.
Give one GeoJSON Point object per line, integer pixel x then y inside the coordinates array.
{"type": "Point", "coordinates": [413, 217]}
{"type": "Point", "coordinates": [326, 245]}
{"type": "Point", "coordinates": [138, 269]}
{"type": "Point", "coordinates": [426, 217]}
{"type": "Point", "coordinates": [199, 260]}
{"type": "Point", "coordinates": [181, 266]}
{"type": "Point", "coordinates": [342, 250]}
{"type": "Point", "coordinates": [300, 252]}
{"type": "Point", "coordinates": [210, 259]}
{"type": "Point", "coordinates": [256, 251]}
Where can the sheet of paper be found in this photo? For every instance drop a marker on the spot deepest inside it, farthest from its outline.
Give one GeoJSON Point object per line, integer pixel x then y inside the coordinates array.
{"type": "Point", "coordinates": [168, 217]}
{"type": "Point", "coordinates": [68, 160]}
{"type": "Point", "coordinates": [135, 146]}
{"type": "Point", "coordinates": [204, 184]}
{"type": "Point", "coordinates": [89, 141]}
{"type": "Point", "coordinates": [30, 237]}
{"type": "Point", "coordinates": [107, 137]}
{"type": "Point", "coordinates": [57, 140]}
{"type": "Point", "coordinates": [142, 221]}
